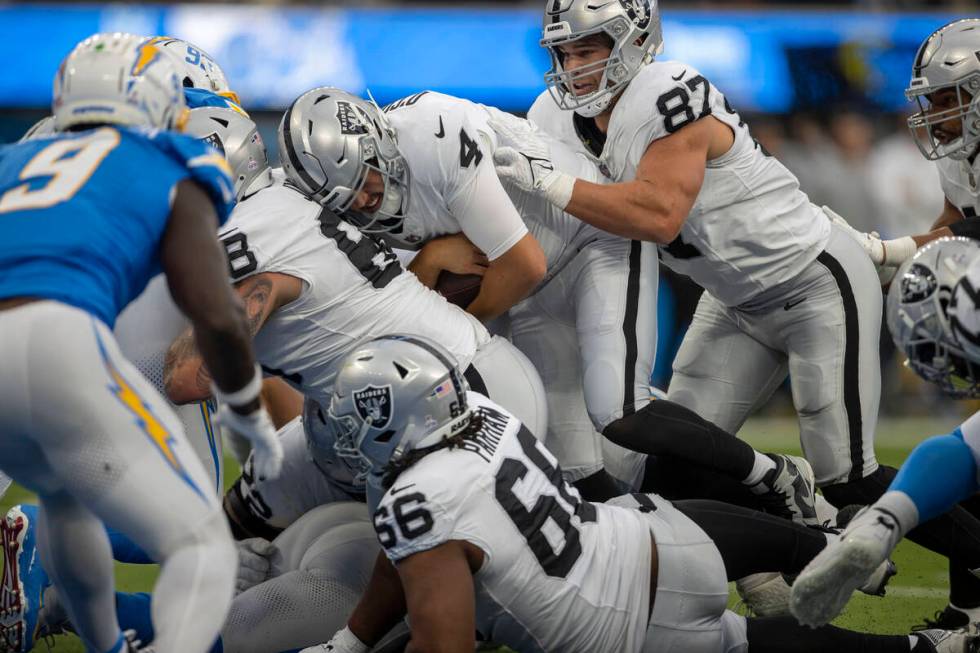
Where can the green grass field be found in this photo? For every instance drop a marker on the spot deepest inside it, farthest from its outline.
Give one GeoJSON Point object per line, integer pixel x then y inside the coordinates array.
{"type": "Point", "coordinates": [917, 591]}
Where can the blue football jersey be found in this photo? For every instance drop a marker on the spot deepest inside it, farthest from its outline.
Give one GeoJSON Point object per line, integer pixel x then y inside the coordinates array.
{"type": "Point", "coordinates": [198, 97]}
{"type": "Point", "coordinates": [82, 214]}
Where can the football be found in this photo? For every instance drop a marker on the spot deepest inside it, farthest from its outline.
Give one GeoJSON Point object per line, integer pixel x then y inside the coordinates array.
{"type": "Point", "coordinates": [458, 289]}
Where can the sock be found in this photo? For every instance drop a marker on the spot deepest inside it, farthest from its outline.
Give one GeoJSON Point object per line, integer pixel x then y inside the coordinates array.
{"type": "Point", "coordinates": [133, 613]}
{"type": "Point", "coordinates": [760, 467]}
{"type": "Point", "coordinates": [902, 507]}
{"type": "Point", "coordinates": [972, 613]}
{"type": "Point", "coordinates": [125, 550]}
{"type": "Point", "coordinates": [938, 474]}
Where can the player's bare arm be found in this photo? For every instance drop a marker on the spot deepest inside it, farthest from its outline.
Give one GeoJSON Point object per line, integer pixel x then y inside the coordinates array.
{"type": "Point", "coordinates": [654, 205]}
{"type": "Point", "coordinates": [949, 215]}
{"type": "Point", "coordinates": [194, 262]}
{"type": "Point", "coordinates": [382, 605]}
{"type": "Point", "coordinates": [439, 590]}
{"type": "Point", "coordinates": [454, 253]}
{"type": "Point", "coordinates": [186, 376]}
{"type": "Point", "coordinates": [509, 279]}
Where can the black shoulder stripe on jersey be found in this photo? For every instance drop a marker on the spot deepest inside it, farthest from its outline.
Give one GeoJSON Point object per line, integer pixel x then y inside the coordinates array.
{"type": "Point", "coordinates": [477, 384]}
{"type": "Point", "coordinates": [852, 348]}
{"type": "Point", "coordinates": [629, 326]}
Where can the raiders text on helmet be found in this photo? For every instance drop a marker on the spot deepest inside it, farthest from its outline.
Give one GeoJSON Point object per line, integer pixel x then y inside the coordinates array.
{"type": "Point", "coordinates": [329, 140]}
{"type": "Point", "coordinates": [393, 395]}
{"type": "Point", "coordinates": [634, 29]}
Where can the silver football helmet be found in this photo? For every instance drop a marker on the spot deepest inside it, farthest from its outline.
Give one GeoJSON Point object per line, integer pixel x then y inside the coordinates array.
{"type": "Point", "coordinates": [394, 395]}
{"type": "Point", "coordinates": [118, 79]}
{"type": "Point", "coordinates": [948, 59]}
{"type": "Point", "coordinates": [636, 34]}
{"type": "Point", "coordinates": [321, 440]}
{"type": "Point", "coordinates": [919, 315]}
{"type": "Point", "coordinates": [237, 138]}
{"type": "Point", "coordinates": [964, 312]}
{"type": "Point", "coordinates": [329, 141]}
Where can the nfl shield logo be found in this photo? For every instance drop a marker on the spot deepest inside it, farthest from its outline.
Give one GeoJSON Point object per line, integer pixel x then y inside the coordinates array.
{"type": "Point", "coordinates": [374, 405]}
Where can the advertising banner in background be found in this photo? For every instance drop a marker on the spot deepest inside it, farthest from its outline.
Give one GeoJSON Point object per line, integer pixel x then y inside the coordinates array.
{"type": "Point", "coordinates": [763, 61]}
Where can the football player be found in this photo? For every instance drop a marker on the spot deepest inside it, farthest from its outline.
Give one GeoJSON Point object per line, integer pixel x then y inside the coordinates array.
{"type": "Point", "coordinates": [589, 328]}
{"type": "Point", "coordinates": [82, 236]}
{"type": "Point", "coordinates": [482, 534]}
{"type": "Point", "coordinates": [786, 290]}
{"type": "Point", "coordinates": [314, 285]}
{"type": "Point", "coordinates": [946, 86]}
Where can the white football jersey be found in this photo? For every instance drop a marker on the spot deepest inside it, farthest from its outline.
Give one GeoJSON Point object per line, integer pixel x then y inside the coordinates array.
{"type": "Point", "coordinates": [559, 573]}
{"type": "Point", "coordinates": [353, 288]}
{"type": "Point", "coordinates": [961, 184]}
{"type": "Point", "coordinates": [449, 146]}
{"type": "Point", "coordinates": [751, 227]}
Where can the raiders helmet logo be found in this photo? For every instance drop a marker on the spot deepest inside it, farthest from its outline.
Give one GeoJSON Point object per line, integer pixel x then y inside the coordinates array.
{"type": "Point", "coordinates": [373, 404]}
{"type": "Point", "coordinates": [350, 121]}
{"type": "Point", "coordinates": [918, 284]}
{"type": "Point", "coordinates": [638, 11]}
{"type": "Point", "coordinates": [215, 142]}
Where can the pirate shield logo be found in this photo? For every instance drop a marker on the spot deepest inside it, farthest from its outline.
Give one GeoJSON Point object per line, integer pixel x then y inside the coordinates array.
{"type": "Point", "coordinates": [374, 405]}
{"type": "Point", "coordinates": [918, 284]}
{"type": "Point", "coordinates": [639, 12]}
{"type": "Point", "coordinates": [349, 119]}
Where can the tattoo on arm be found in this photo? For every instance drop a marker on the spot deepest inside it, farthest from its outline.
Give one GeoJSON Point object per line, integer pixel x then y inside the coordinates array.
{"type": "Point", "coordinates": [256, 294]}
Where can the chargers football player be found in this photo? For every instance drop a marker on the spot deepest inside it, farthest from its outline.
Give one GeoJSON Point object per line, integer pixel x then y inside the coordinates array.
{"type": "Point", "coordinates": [82, 235]}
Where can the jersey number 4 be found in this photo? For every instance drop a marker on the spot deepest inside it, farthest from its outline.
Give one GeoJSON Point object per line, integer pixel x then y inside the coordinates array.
{"type": "Point", "coordinates": [66, 165]}
{"type": "Point", "coordinates": [546, 509]}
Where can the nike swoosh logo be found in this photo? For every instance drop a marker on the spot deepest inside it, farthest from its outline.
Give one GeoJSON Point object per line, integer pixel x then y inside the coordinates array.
{"type": "Point", "coordinates": [395, 491]}
{"type": "Point", "coordinates": [442, 130]}
{"type": "Point", "coordinates": [790, 305]}
{"type": "Point", "coordinates": [595, 7]}
{"type": "Point", "coordinates": [679, 77]}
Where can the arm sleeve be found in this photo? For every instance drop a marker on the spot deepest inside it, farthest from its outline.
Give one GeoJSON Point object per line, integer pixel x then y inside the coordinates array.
{"type": "Point", "coordinates": [479, 202]}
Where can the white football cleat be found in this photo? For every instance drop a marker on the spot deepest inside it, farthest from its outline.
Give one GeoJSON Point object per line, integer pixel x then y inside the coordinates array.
{"type": "Point", "coordinates": [946, 641]}
{"type": "Point", "coordinates": [764, 594]}
{"type": "Point", "coordinates": [825, 585]}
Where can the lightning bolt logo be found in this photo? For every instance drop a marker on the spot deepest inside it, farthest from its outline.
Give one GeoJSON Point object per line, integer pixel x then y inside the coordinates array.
{"type": "Point", "coordinates": [145, 419]}
{"type": "Point", "coordinates": [146, 55]}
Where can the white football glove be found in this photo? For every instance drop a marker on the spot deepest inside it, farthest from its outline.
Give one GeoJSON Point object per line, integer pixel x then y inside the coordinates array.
{"type": "Point", "coordinates": [870, 242]}
{"type": "Point", "coordinates": [253, 562]}
{"type": "Point", "coordinates": [883, 253]}
{"type": "Point", "coordinates": [527, 164]}
{"type": "Point", "coordinates": [258, 429]}
{"type": "Point", "coordinates": [343, 642]}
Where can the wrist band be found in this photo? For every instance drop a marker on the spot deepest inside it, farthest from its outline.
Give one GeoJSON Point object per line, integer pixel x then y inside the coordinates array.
{"type": "Point", "coordinates": [244, 395]}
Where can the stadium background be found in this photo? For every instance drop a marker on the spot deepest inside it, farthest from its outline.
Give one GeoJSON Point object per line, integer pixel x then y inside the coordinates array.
{"type": "Point", "coordinates": [820, 83]}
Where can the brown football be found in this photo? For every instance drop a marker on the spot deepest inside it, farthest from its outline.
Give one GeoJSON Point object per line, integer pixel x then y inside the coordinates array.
{"type": "Point", "coordinates": [459, 289]}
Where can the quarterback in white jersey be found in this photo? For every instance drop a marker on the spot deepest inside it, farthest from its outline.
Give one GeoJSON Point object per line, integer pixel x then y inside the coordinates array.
{"type": "Point", "coordinates": [481, 534]}
{"type": "Point", "coordinates": [786, 291]}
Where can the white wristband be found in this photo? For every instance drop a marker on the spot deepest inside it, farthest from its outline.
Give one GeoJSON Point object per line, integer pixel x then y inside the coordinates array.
{"type": "Point", "coordinates": [244, 395]}
{"type": "Point", "coordinates": [559, 189]}
{"type": "Point", "coordinates": [347, 642]}
{"type": "Point", "coordinates": [899, 250]}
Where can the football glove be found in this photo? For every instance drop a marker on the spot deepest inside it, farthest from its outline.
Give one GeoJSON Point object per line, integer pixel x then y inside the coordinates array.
{"type": "Point", "coordinates": [343, 642]}
{"type": "Point", "coordinates": [254, 562]}
{"type": "Point", "coordinates": [258, 429]}
{"type": "Point", "coordinates": [526, 162]}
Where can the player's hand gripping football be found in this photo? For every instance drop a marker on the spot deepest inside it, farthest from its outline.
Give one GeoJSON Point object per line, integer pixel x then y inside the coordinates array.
{"type": "Point", "coordinates": [258, 429]}
{"type": "Point", "coordinates": [526, 162]}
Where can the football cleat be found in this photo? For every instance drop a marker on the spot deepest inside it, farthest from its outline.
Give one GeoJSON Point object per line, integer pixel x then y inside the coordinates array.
{"type": "Point", "coordinates": [763, 595]}
{"type": "Point", "coordinates": [854, 561]}
{"type": "Point", "coordinates": [24, 581]}
{"type": "Point", "coordinates": [946, 641]}
{"type": "Point", "coordinates": [789, 490]}
{"type": "Point", "coordinates": [949, 618]}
